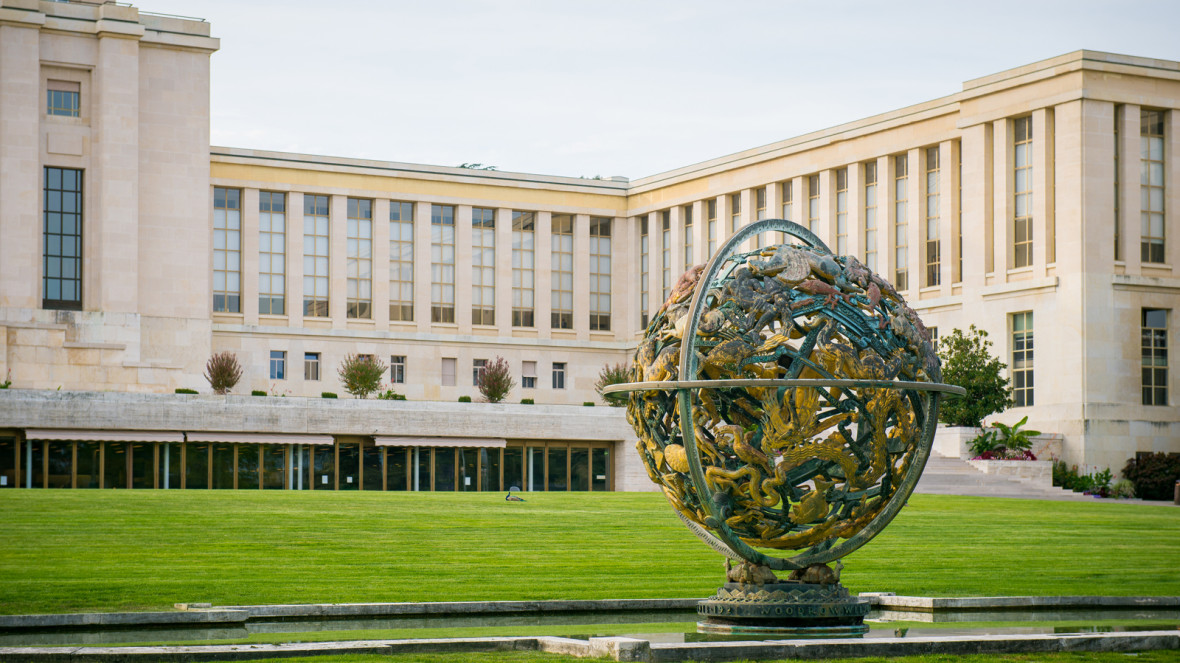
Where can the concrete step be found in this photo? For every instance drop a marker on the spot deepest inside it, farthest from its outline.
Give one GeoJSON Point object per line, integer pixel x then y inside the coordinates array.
{"type": "Point", "coordinates": [953, 476]}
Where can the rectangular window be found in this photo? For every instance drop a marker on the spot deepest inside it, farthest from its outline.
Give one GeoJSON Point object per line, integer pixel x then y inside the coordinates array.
{"type": "Point", "coordinates": [788, 194]}
{"type": "Point", "coordinates": [401, 261]}
{"type": "Point", "coordinates": [561, 241]}
{"type": "Point", "coordinates": [959, 213]}
{"type": "Point", "coordinates": [1022, 226]}
{"type": "Point", "coordinates": [227, 250]}
{"type": "Point", "coordinates": [813, 203]}
{"type": "Point", "coordinates": [315, 256]}
{"type": "Point", "coordinates": [483, 266]}
{"type": "Point", "coordinates": [735, 212]}
{"type": "Point", "coordinates": [528, 375]}
{"type": "Point", "coordinates": [448, 371]}
{"type": "Point", "coordinates": [644, 271]}
{"type": "Point", "coordinates": [1155, 356]}
{"type": "Point", "coordinates": [558, 375]}
{"type": "Point", "coordinates": [524, 228]}
{"type": "Point", "coordinates": [687, 213]}
{"type": "Point", "coordinates": [397, 369]}
{"type": "Point", "coordinates": [933, 247]}
{"type": "Point", "coordinates": [360, 258]}
{"type": "Point", "coordinates": [1151, 185]}
{"type": "Point", "coordinates": [842, 212]}
{"type": "Point", "coordinates": [442, 263]}
{"type": "Point", "coordinates": [600, 273]}
{"type": "Point", "coordinates": [62, 252]}
{"type": "Point", "coordinates": [477, 368]}
{"type": "Point", "coordinates": [272, 253]}
{"type": "Point", "coordinates": [1022, 359]}
{"type": "Point", "coordinates": [63, 98]}
{"type": "Point", "coordinates": [901, 225]}
{"type": "Point", "coordinates": [311, 366]}
{"type": "Point", "coordinates": [871, 215]}
{"type": "Point", "coordinates": [278, 365]}
{"type": "Point", "coordinates": [711, 214]}
{"type": "Point", "coordinates": [666, 254]}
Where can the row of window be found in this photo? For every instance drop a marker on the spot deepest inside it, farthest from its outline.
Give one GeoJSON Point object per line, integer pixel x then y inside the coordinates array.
{"type": "Point", "coordinates": [397, 370]}
{"type": "Point", "coordinates": [1152, 190]}
{"type": "Point", "coordinates": [1154, 353]}
{"type": "Point", "coordinates": [227, 263]}
{"type": "Point", "coordinates": [566, 466]}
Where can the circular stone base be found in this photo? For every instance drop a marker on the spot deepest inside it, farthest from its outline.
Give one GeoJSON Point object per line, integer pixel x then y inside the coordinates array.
{"type": "Point", "coordinates": [785, 608]}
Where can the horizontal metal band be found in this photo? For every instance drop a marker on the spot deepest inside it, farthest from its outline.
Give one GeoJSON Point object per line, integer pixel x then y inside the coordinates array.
{"type": "Point", "coordinates": [669, 385]}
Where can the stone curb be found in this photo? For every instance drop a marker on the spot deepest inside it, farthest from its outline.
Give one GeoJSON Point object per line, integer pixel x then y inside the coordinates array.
{"type": "Point", "coordinates": [927, 604]}
{"type": "Point", "coordinates": [621, 649]}
{"type": "Point", "coordinates": [460, 607]}
{"type": "Point", "coordinates": [113, 619]}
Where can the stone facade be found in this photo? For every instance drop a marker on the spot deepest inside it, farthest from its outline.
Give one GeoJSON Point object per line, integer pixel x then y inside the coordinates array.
{"type": "Point", "coordinates": [1021, 165]}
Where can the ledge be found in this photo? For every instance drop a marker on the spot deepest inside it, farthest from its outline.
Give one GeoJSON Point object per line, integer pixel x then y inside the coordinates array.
{"type": "Point", "coordinates": [1157, 284]}
{"type": "Point", "coordinates": [82, 345]}
{"type": "Point", "coordinates": [1018, 288]}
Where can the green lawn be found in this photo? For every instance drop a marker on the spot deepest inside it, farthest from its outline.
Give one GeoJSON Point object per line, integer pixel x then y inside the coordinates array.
{"type": "Point", "coordinates": [1166, 656]}
{"type": "Point", "coordinates": [69, 551]}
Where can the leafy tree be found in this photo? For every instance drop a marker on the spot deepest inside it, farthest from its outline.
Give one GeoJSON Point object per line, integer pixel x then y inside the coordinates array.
{"type": "Point", "coordinates": [361, 374]}
{"type": "Point", "coordinates": [223, 372]}
{"type": "Point", "coordinates": [967, 361]}
{"type": "Point", "coordinates": [495, 381]}
{"type": "Point", "coordinates": [617, 374]}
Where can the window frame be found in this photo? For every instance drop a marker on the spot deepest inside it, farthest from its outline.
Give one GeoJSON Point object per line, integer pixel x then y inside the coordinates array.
{"type": "Point", "coordinates": [442, 264]}
{"type": "Point", "coordinates": [268, 237]}
{"type": "Point", "coordinates": [901, 222]}
{"type": "Point", "coordinates": [316, 305]}
{"type": "Point", "coordinates": [397, 369]}
{"type": "Point", "coordinates": [524, 248]}
{"type": "Point", "coordinates": [600, 273]}
{"type": "Point", "coordinates": [1154, 347]}
{"type": "Point", "coordinates": [483, 273]}
{"type": "Point", "coordinates": [312, 363]}
{"type": "Point", "coordinates": [871, 227]}
{"type": "Point", "coordinates": [1021, 359]}
{"type": "Point", "coordinates": [1152, 246]}
{"type": "Point", "coordinates": [77, 237]}
{"type": "Point", "coordinates": [1022, 192]}
{"type": "Point", "coordinates": [933, 195]}
{"type": "Point", "coordinates": [401, 272]}
{"type": "Point", "coordinates": [278, 365]}
{"type": "Point", "coordinates": [561, 289]}
{"type": "Point", "coordinates": [558, 372]}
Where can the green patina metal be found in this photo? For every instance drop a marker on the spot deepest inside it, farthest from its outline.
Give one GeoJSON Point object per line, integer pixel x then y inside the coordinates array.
{"type": "Point", "coordinates": [784, 399]}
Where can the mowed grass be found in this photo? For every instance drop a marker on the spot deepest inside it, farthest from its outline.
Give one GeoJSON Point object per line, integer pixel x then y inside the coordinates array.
{"type": "Point", "coordinates": [71, 551]}
{"type": "Point", "coordinates": [1164, 656]}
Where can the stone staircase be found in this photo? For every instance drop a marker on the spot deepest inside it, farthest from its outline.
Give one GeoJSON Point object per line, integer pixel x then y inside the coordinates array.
{"type": "Point", "coordinates": [952, 476]}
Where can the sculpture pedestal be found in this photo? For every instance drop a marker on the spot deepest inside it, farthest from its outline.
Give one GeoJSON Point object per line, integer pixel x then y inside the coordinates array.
{"type": "Point", "coordinates": [784, 608]}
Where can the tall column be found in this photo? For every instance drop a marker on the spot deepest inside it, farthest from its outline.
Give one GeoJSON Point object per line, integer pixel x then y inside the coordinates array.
{"type": "Point", "coordinates": [676, 235]}
{"type": "Point", "coordinates": [463, 269]}
{"type": "Point", "coordinates": [624, 278]}
{"type": "Point", "coordinates": [1043, 203]}
{"type": "Point", "coordinates": [916, 217]}
{"type": "Point", "coordinates": [504, 271]}
{"type": "Point", "coordinates": [543, 275]}
{"type": "Point", "coordinates": [977, 203]}
{"type": "Point", "coordinates": [249, 256]}
{"type": "Point", "coordinates": [654, 265]}
{"type": "Point", "coordinates": [855, 209]}
{"type": "Point", "coordinates": [20, 186]}
{"type": "Point", "coordinates": [1172, 189]}
{"type": "Point", "coordinates": [114, 176]}
{"type": "Point", "coordinates": [422, 277]}
{"type": "Point", "coordinates": [1130, 206]}
{"type": "Point", "coordinates": [380, 259]}
{"type": "Point", "coordinates": [338, 261]}
{"type": "Point", "coordinates": [582, 276]}
{"type": "Point", "coordinates": [294, 225]}
{"type": "Point", "coordinates": [948, 224]}
{"type": "Point", "coordinates": [1002, 165]}
{"type": "Point", "coordinates": [700, 232]}
{"type": "Point", "coordinates": [886, 218]}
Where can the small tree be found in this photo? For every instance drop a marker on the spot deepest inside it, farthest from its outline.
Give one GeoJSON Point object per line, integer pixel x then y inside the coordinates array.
{"type": "Point", "coordinates": [223, 372]}
{"type": "Point", "coordinates": [495, 381]}
{"type": "Point", "coordinates": [967, 362]}
{"type": "Point", "coordinates": [361, 374]}
{"type": "Point", "coordinates": [617, 374]}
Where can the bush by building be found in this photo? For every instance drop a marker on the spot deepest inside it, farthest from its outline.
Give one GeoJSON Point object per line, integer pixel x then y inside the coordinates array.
{"type": "Point", "coordinates": [223, 372]}
{"type": "Point", "coordinates": [967, 362]}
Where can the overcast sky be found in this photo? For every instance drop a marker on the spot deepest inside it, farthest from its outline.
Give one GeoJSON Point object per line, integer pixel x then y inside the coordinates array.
{"type": "Point", "coordinates": [610, 87]}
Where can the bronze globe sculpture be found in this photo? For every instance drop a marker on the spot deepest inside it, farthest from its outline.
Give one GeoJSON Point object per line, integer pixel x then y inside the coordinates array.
{"type": "Point", "coordinates": [785, 398]}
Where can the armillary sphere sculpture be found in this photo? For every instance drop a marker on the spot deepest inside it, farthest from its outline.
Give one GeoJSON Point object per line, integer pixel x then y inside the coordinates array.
{"type": "Point", "coordinates": [785, 399]}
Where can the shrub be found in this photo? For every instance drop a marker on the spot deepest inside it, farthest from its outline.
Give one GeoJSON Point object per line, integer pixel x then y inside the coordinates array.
{"type": "Point", "coordinates": [526, 401]}
{"type": "Point", "coordinates": [257, 392]}
{"type": "Point", "coordinates": [223, 372]}
{"type": "Point", "coordinates": [390, 395]}
{"type": "Point", "coordinates": [1154, 475]}
{"type": "Point", "coordinates": [464, 399]}
{"type": "Point", "coordinates": [1068, 477]}
{"type": "Point", "coordinates": [1002, 442]}
{"type": "Point", "coordinates": [987, 441]}
{"type": "Point", "coordinates": [361, 374]}
{"type": "Point", "coordinates": [183, 390]}
{"type": "Point", "coordinates": [7, 380]}
{"type": "Point", "coordinates": [617, 374]}
{"type": "Point", "coordinates": [1122, 489]}
{"type": "Point", "coordinates": [588, 404]}
{"type": "Point", "coordinates": [327, 394]}
{"type": "Point", "coordinates": [967, 362]}
{"type": "Point", "coordinates": [1100, 483]}
{"type": "Point", "coordinates": [495, 380]}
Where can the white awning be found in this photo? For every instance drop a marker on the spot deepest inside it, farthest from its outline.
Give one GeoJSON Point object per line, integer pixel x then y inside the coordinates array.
{"type": "Point", "coordinates": [85, 435]}
{"type": "Point", "coordinates": [391, 441]}
{"type": "Point", "coordinates": [261, 438]}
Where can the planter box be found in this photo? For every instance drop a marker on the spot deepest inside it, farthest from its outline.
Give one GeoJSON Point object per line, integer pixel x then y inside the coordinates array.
{"type": "Point", "coordinates": [1036, 472]}
{"type": "Point", "coordinates": [954, 442]}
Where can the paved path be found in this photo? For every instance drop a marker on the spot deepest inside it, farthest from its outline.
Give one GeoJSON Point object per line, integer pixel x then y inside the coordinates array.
{"type": "Point", "coordinates": [951, 476]}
